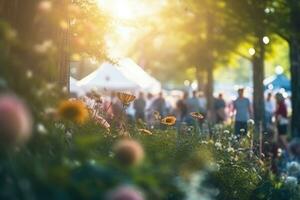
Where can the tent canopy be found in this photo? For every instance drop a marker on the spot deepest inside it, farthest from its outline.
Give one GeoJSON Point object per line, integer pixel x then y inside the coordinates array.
{"type": "Point", "coordinates": [74, 87]}
{"type": "Point", "coordinates": [138, 75]}
{"type": "Point", "coordinates": [277, 82]}
{"type": "Point", "coordinates": [108, 77]}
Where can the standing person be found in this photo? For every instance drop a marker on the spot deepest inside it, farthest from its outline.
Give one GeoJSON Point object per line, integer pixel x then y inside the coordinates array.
{"type": "Point", "coordinates": [219, 107]}
{"type": "Point", "coordinates": [116, 106]}
{"type": "Point", "coordinates": [243, 112]}
{"type": "Point", "coordinates": [193, 104]}
{"type": "Point", "coordinates": [281, 120]}
{"type": "Point", "coordinates": [159, 105]}
{"type": "Point", "coordinates": [269, 110]}
{"type": "Point", "coordinates": [149, 110]}
{"type": "Point", "coordinates": [139, 106]}
{"type": "Point", "coordinates": [180, 111]}
{"type": "Point", "coordinates": [202, 102]}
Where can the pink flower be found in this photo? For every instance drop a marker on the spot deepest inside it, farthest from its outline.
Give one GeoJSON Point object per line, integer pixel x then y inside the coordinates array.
{"type": "Point", "coordinates": [15, 121]}
{"type": "Point", "coordinates": [129, 152]}
{"type": "Point", "coordinates": [125, 193]}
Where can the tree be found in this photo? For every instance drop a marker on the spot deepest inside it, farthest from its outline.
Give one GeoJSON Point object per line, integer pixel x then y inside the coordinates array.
{"type": "Point", "coordinates": [54, 31]}
{"type": "Point", "coordinates": [286, 18]}
{"type": "Point", "coordinates": [252, 21]}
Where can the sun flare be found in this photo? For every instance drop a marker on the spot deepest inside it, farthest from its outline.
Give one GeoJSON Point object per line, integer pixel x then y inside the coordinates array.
{"type": "Point", "coordinates": [120, 9]}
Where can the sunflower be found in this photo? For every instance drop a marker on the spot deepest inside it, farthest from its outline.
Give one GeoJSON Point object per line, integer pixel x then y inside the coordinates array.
{"type": "Point", "coordinates": [73, 110]}
{"type": "Point", "coordinates": [125, 98]}
{"type": "Point", "coordinates": [197, 115]}
{"type": "Point", "coordinates": [169, 120]}
{"type": "Point", "coordinates": [145, 131]}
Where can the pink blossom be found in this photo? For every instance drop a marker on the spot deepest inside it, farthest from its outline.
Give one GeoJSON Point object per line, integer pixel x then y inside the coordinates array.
{"type": "Point", "coordinates": [15, 121]}
{"type": "Point", "coordinates": [125, 193]}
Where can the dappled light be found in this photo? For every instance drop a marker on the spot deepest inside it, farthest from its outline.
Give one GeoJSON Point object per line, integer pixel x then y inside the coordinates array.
{"type": "Point", "coordinates": [150, 99]}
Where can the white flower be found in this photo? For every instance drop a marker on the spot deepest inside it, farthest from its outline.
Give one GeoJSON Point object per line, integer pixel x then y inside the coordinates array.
{"type": "Point", "coordinates": [279, 152]}
{"type": "Point", "coordinates": [68, 134]}
{"type": "Point", "coordinates": [230, 149]}
{"type": "Point", "coordinates": [203, 142]}
{"type": "Point", "coordinates": [251, 122]}
{"type": "Point", "coordinates": [293, 168]}
{"type": "Point", "coordinates": [218, 145]}
{"type": "Point", "coordinates": [291, 181]}
{"type": "Point", "coordinates": [41, 129]}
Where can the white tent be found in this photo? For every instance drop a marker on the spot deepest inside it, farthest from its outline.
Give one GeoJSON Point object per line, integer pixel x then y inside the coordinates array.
{"type": "Point", "coordinates": [74, 87]}
{"type": "Point", "coordinates": [108, 77]}
{"type": "Point", "coordinates": [135, 73]}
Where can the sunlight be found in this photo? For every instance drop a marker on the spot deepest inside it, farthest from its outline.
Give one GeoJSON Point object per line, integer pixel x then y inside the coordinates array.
{"type": "Point", "coordinates": [121, 9]}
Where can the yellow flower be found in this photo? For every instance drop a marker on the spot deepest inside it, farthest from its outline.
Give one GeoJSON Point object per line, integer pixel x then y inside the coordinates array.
{"type": "Point", "coordinates": [169, 120]}
{"type": "Point", "coordinates": [197, 115]}
{"type": "Point", "coordinates": [145, 131]}
{"type": "Point", "coordinates": [125, 98]}
{"type": "Point", "coordinates": [73, 110]}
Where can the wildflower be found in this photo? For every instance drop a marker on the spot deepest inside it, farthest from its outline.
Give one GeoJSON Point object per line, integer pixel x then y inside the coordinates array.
{"type": "Point", "coordinates": [156, 115]}
{"type": "Point", "coordinates": [170, 120]}
{"type": "Point", "coordinates": [197, 115]}
{"type": "Point", "coordinates": [125, 98]}
{"type": "Point", "coordinates": [230, 149]}
{"type": "Point", "coordinates": [69, 134]}
{"type": "Point", "coordinates": [145, 131]}
{"type": "Point", "coordinates": [236, 158]}
{"type": "Point", "coordinates": [279, 152]}
{"type": "Point", "coordinates": [251, 122]}
{"type": "Point", "coordinates": [293, 168]}
{"type": "Point", "coordinates": [218, 145]}
{"type": "Point", "coordinates": [15, 121]}
{"type": "Point", "coordinates": [73, 110]}
{"type": "Point", "coordinates": [291, 181]}
{"type": "Point", "coordinates": [102, 122]}
{"type": "Point", "coordinates": [125, 193]}
{"type": "Point", "coordinates": [129, 152]}
{"type": "Point", "coordinates": [41, 129]}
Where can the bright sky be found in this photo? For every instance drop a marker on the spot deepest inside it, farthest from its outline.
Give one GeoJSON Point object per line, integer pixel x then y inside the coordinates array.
{"type": "Point", "coordinates": [127, 12]}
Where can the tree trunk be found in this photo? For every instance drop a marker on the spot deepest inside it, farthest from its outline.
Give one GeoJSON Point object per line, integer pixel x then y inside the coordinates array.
{"type": "Point", "coordinates": [258, 86]}
{"type": "Point", "coordinates": [295, 82]}
{"type": "Point", "coordinates": [63, 41]}
{"type": "Point", "coordinates": [20, 15]}
{"type": "Point", "coordinates": [294, 44]}
{"type": "Point", "coordinates": [200, 76]}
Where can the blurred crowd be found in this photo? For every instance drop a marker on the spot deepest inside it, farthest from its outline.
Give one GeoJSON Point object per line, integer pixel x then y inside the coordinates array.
{"type": "Point", "coordinates": [236, 113]}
